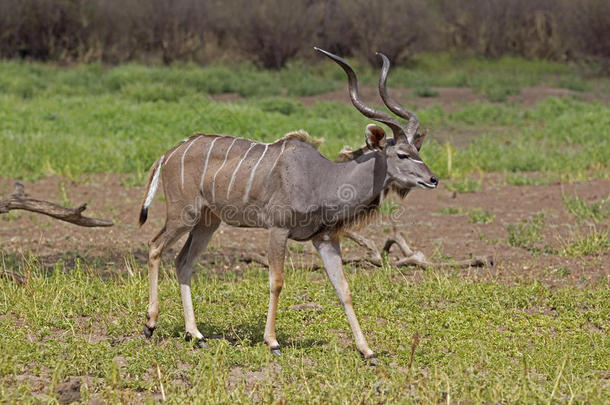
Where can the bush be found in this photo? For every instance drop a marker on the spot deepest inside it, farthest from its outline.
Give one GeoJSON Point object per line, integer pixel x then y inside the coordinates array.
{"type": "Point", "coordinates": [271, 32]}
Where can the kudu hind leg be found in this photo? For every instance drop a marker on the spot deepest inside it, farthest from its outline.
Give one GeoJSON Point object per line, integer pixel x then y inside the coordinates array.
{"type": "Point", "coordinates": [330, 251]}
{"type": "Point", "coordinates": [197, 242]}
{"type": "Point", "coordinates": [276, 254]}
{"type": "Point", "coordinates": [166, 237]}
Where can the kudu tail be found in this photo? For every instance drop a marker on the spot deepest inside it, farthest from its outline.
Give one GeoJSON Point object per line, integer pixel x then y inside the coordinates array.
{"type": "Point", "coordinates": [151, 188]}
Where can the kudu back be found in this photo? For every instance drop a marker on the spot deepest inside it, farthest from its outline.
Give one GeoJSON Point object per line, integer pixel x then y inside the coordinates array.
{"type": "Point", "coordinates": [287, 187]}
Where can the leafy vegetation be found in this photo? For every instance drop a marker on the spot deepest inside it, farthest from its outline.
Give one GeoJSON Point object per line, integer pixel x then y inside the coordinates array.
{"type": "Point", "coordinates": [477, 341]}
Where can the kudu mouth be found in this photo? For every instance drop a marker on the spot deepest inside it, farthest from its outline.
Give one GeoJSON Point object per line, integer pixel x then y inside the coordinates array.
{"type": "Point", "coordinates": [426, 186]}
{"type": "Point", "coordinates": [433, 183]}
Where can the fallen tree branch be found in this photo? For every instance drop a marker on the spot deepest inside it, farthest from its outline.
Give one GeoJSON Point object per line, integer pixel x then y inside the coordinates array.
{"type": "Point", "coordinates": [413, 258]}
{"type": "Point", "coordinates": [374, 257]}
{"type": "Point", "coordinates": [18, 201]}
{"type": "Point", "coordinates": [11, 275]}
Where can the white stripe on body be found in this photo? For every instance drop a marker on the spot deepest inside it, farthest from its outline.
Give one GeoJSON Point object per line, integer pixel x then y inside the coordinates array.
{"type": "Point", "coordinates": [182, 162]}
{"type": "Point", "coordinates": [207, 158]}
{"type": "Point", "coordinates": [253, 172]}
{"type": "Point", "coordinates": [175, 150]}
{"type": "Point", "coordinates": [237, 168]}
{"type": "Point", "coordinates": [154, 184]}
{"type": "Point", "coordinates": [219, 169]}
{"type": "Point", "coordinates": [278, 159]}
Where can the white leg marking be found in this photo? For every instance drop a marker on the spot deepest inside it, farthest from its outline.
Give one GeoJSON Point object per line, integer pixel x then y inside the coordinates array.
{"type": "Point", "coordinates": [182, 162]}
{"type": "Point", "coordinates": [219, 169]}
{"type": "Point", "coordinates": [252, 174]}
{"type": "Point", "coordinates": [207, 158]}
{"type": "Point", "coordinates": [237, 168]}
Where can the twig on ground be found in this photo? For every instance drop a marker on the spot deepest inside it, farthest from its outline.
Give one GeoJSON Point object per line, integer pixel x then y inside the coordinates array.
{"type": "Point", "coordinates": [18, 201]}
{"type": "Point", "coordinates": [374, 256]}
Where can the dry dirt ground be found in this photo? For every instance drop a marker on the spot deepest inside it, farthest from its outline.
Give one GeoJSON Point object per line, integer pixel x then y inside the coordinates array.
{"type": "Point", "coordinates": [441, 237]}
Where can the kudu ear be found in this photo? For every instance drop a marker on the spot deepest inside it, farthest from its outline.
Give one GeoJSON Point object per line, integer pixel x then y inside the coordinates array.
{"type": "Point", "coordinates": [418, 140]}
{"type": "Point", "coordinates": [375, 137]}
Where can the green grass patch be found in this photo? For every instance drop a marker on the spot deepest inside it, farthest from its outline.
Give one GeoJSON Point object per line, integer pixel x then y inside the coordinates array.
{"type": "Point", "coordinates": [425, 92]}
{"type": "Point", "coordinates": [92, 119]}
{"type": "Point", "coordinates": [573, 83]}
{"type": "Point", "coordinates": [452, 211]}
{"type": "Point", "coordinates": [521, 179]}
{"type": "Point", "coordinates": [595, 212]}
{"type": "Point", "coordinates": [527, 234]}
{"type": "Point", "coordinates": [478, 341]}
{"type": "Point", "coordinates": [594, 243]}
{"type": "Point", "coordinates": [475, 215]}
{"type": "Point", "coordinates": [480, 216]}
{"type": "Point", "coordinates": [465, 185]}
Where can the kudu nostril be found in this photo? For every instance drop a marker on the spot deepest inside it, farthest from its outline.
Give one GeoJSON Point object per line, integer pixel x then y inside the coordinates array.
{"type": "Point", "coordinates": [434, 180]}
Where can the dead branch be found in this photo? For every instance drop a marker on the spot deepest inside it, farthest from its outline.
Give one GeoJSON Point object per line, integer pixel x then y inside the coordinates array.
{"type": "Point", "coordinates": [413, 258]}
{"type": "Point", "coordinates": [253, 258]}
{"type": "Point", "coordinates": [11, 275]}
{"type": "Point", "coordinates": [18, 201]}
{"type": "Point", "coordinates": [374, 257]}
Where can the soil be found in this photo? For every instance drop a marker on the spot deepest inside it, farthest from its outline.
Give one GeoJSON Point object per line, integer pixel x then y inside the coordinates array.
{"type": "Point", "coordinates": [440, 237]}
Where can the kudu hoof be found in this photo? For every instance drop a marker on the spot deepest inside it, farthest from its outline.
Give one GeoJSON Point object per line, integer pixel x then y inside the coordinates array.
{"type": "Point", "coordinates": [198, 343]}
{"type": "Point", "coordinates": [276, 351]}
{"type": "Point", "coordinates": [372, 360]}
{"type": "Point", "coordinates": [148, 331]}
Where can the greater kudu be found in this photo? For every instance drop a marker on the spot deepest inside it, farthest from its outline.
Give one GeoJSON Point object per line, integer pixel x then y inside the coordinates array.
{"type": "Point", "coordinates": [287, 187]}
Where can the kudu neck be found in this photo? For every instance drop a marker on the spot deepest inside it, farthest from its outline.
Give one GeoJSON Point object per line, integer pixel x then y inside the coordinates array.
{"type": "Point", "coordinates": [358, 182]}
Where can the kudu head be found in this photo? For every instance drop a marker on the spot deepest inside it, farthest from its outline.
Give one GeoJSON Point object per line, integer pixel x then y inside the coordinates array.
{"type": "Point", "coordinates": [405, 168]}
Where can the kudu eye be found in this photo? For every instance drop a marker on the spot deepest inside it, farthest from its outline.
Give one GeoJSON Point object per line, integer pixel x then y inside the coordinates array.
{"type": "Point", "coordinates": [402, 155]}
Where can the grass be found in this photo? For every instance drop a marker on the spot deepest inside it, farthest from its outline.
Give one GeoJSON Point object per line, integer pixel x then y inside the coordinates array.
{"type": "Point", "coordinates": [527, 234]}
{"type": "Point", "coordinates": [478, 341]}
{"type": "Point", "coordinates": [593, 243]}
{"type": "Point", "coordinates": [465, 185]}
{"type": "Point", "coordinates": [452, 211]}
{"type": "Point", "coordinates": [122, 119]}
{"type": "Point", "coordinates": [481, 216]}
{"type": "Point", "coordinates": [475, 215]}
{"type": "Point", "coordinates": [521, 179]}
{"type": "Point", "coordinates": [425, 92]}
{"type": "Point", "coordinates": [595, 212]}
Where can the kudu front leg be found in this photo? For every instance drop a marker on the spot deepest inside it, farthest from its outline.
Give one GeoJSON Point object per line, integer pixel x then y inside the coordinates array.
{"type": "Point", "coordinates": [276, 254]}
{"type": "Point", "coordinates": [330, 251]}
